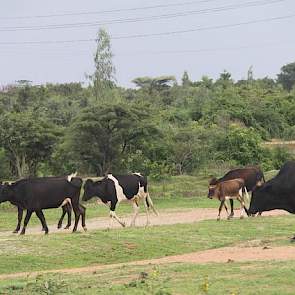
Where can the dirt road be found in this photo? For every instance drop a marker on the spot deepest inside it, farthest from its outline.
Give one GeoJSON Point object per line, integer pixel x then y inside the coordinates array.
{"type": "Point", "coordinates": [165, 218]}
{"type": "Point", "coordinates": [221, 255]}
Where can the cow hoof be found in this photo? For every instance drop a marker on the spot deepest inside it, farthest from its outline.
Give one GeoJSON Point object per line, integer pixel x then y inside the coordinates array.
{"type": "Point", "coordinates": [241, 217]}
{"type": "Point", "coordinates": [22, 233]}
{"type": "Point", "coordinates": [124, 224]}
{"type": "Point", "coordinates": [15, 231]}
{"type": "Point", "coordinates": [67, 227]}
{"type": "Point", "coordinates": [85, 228]}
{"type": "Point", "coordinates": [59, 226]}
{"type": "Point", "coordinates": [46, 232]}
{"type": "Point", "coordinates": [218, 219]}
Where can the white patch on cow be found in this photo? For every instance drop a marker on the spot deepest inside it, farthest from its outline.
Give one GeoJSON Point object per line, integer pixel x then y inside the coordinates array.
{"type": "Point", "coordinates": [141, 193]}
{"type": "Point", "coordinates": [138, 174]}
{"type": "Point", "coordinates": [66, 201]}
{"type": "Point", "coordinates": [241, 192]}
{"type": "Point", "coordinates": [119, 190]}
{"type": "Point", "coordinates": [72, 176]}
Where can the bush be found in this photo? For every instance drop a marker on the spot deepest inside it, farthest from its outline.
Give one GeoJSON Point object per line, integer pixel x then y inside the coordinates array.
{"type": "Point", "coordinates": [242, 145]}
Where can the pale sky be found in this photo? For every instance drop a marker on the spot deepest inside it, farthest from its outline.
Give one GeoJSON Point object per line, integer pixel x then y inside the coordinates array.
{"type": "Point", "coordinates": [267, 44]}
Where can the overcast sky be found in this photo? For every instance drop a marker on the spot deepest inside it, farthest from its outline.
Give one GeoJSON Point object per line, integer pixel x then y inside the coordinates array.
{"type": "Point", "coordinates": [267, 44]}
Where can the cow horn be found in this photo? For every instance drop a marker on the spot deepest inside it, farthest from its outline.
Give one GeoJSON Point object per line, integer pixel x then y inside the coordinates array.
{"type": "Point", "coordinates": [72, 176]}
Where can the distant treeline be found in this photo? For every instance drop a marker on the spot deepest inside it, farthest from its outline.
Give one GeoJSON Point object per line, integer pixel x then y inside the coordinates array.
{"type": "Point", "coordinates": [160, 128]}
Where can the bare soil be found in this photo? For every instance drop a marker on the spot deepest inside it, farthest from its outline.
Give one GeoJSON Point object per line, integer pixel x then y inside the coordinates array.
{"type": "Point", "coordinates": [221, 255]}
{"type": "Point", "coordinates": [166, 217]}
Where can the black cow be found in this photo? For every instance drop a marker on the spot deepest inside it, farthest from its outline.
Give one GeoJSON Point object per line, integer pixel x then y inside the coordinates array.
{"type": "Point", "coordinates": [114, 189]}
{"type": "Point", "coordinates": [277, 193]}
{"type": "Point", "coordinates": [37, 194]}
{"type": "Point", "coordinates": [66, 209]}
{"type": "Point", "coordinates": [253, 177]}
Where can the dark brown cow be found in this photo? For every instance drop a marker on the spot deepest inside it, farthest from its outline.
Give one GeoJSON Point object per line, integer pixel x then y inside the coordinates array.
{"type": "Point", "coordinates": [228, 190]}
{"type": "Point", "coordinates": [252, 176]}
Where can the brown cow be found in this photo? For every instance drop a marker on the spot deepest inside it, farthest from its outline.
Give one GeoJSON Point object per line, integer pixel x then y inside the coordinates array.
{"type": "Point", "coordinates": [252, 175]}
{"type": "Point", "coordinates": [228, 190]}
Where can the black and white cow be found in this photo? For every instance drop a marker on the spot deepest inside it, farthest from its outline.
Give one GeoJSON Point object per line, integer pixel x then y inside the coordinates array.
{"type": "Point", "coordinates": [114, 189]}
{"type": "Point", "coordinates": [37, 194]}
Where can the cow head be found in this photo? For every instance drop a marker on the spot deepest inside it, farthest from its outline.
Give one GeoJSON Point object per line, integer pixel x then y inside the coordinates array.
{"type": "Point", "coordinates": [6, 192]}
{"type": "Point", "coordinates": [263, 199]}
{"type": "Point", "coordinates": [212, 187]}
{"type": "Point", "coordinates": [91, 189]}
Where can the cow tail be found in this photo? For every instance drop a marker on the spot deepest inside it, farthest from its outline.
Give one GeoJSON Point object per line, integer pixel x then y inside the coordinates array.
{"type": "Point", "coordinates": [150, 203]}
{"type": "Point", "coordinates": [246, 193]}
{"type": "Point", "coordinates": [262, 176]}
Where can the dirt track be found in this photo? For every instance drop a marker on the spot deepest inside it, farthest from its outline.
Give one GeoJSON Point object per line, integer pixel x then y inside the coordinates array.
{"type": "Point", "coordinates": [165, 218]}
{"type": "Point", "coordinates": [221, 255]}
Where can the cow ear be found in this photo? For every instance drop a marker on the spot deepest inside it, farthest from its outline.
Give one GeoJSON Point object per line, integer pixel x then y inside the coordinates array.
{"type": "Point", "coordinates": [89, 181]}
{"type": "Point", "coordinates": [213, 181]}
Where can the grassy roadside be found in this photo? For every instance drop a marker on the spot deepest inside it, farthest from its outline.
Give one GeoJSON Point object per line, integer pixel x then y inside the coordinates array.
{"type": "Point", "coordinates": [33, 253]}
{"type": "Point", "coordinates": [267, 277]}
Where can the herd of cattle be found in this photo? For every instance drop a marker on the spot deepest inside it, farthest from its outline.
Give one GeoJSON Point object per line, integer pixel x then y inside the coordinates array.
{"type": "Point", "coordinates": [37, 194]}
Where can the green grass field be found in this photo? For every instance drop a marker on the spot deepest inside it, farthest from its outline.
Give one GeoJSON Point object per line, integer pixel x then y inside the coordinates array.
{"type": "Point", "coordinates": [57, 251]}
{"type": "Point", "coordinates": [257, 278]}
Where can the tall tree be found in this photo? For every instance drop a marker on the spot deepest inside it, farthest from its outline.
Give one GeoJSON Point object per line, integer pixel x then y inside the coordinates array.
{"type": "Point", "coordinates": [185, 79]}
{"type": "Point", "coordinates": [103, 77]}
{"type": "Point", "coordinates": [287, 76]}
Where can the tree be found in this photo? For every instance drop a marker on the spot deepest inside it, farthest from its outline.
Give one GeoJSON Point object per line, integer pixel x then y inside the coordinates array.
{"type": "Point", "coordinates": [250, 75]}
{"type": "Point", "coordinates": [287, 76]}
{"type": "Point", "coordinates": [27, 140]}
{"type": "Point", "coordinates": [157, 83]}
{"type": "Point", "coordinates": [106, 133]}
{"type": "Point", "coordinates": [185, 79]}
{"type": "Point", "coordinates": [103, 77]}
{"type": "Point", "coordinates": [241, 145]}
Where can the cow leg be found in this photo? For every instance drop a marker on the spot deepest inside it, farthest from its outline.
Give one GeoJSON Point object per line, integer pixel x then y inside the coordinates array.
{"type": "Point", "coordinates": [146, 211]}
{"type": "Point", "coordinates": [77, 212]}
{"type": "Point", "coordinates": [68, 209]}
{"type": "Point", "coordinates": [19, 219]}
{"type": "Point", "coordinates": [113, 214]}
{"type": "Point", "coordinates": [231, 208]}
{"type": "Point", "coordinates": [64, 211]}
{"type": "Point", "coordinates": [43, 221]}
{"type": "Point", "coordinates": [26, 221]}
{"type": "Point", "coordinates": [219, 209]}
{"type": "Point", "coordinates": [242, 207]}
{"type": "Point", "coordinates": [83, 216]}
{"type": "Point", "coordinates": [136, 210]}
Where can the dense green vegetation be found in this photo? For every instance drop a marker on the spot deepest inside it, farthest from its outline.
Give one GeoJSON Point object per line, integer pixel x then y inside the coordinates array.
{"type": "Point", "coordinates": [160, 128]}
